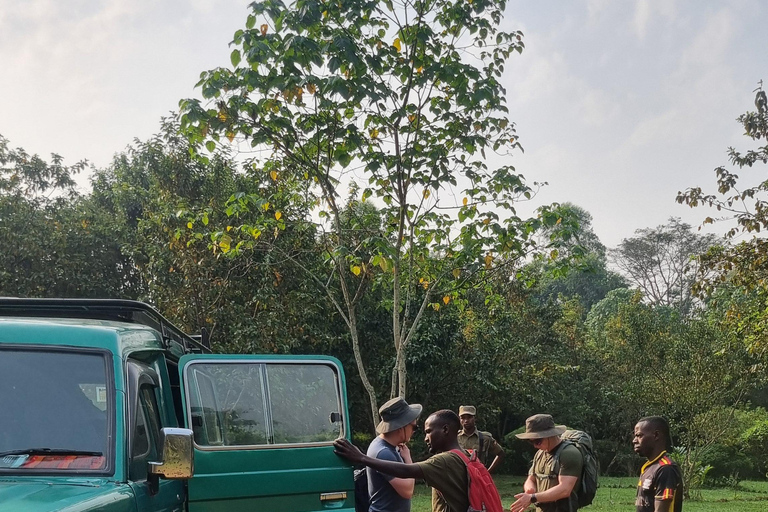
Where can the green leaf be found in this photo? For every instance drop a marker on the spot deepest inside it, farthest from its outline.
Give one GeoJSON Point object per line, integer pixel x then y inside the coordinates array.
{"type": "Point", "coordinates": [210, 146]}
{"type": "Point", "coordinates": [235, 58]}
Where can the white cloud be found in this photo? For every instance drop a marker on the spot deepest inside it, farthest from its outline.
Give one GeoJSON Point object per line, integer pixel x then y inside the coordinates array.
{"type": "Point", "coordinates": [642, 16]}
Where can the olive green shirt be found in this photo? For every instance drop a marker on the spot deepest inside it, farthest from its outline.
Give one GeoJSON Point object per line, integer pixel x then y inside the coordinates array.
{"type": "Point", "coordinates": [446, 473]}
{"type": "Point", "coordinates": [547, 469]}
{"type": "Point", "coordinates": [491, 448]}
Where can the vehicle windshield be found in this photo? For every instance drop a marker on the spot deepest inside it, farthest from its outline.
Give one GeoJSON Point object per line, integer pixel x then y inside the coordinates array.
{"type": "Point", "coordinates": [54, 410]}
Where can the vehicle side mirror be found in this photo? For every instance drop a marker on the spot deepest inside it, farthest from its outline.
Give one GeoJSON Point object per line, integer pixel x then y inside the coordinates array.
{"type": "Point", "coordinates": [176, 456]}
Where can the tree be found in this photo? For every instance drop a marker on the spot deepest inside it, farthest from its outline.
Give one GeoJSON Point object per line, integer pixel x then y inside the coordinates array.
{"type": "Point", "coordinates": [402, 99]}
{"type": "Point", "coordinates": [735, 274]}
{"type": "Point", "coordinates": [650, 360]}
{"type": "Point", "coordinates": [54, 242]}
{"type": "Point", "coordinates": [579, 267]}
{"type": "Point", "coordinates": [662, 262]}
{"type": "Point", "coordinates": [166, 205]}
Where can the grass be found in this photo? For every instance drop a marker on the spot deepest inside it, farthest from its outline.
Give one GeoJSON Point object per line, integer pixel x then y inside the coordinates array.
{"type": "Point", "coordinates": [618, 494]}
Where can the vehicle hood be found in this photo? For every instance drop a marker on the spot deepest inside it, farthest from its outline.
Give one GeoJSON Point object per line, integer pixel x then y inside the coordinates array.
{"type": "Point", "coordinates": [64, 495]}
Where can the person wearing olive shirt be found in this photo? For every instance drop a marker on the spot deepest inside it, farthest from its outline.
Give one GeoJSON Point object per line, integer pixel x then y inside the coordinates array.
{"type": "Point", "coordinates": [554, 476]}
{"type": "Point", "coordinates": [444, 471]}
{"type": "Point", "coordinates": [489, 451]}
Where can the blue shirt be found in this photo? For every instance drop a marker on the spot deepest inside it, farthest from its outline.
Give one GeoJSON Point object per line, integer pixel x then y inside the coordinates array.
{"type": "Point", "coordinates": [384, 497]}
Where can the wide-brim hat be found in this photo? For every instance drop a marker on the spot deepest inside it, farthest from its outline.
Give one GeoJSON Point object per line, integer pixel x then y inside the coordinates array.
{"type": "Point", "coordinates": [540, 426]}
{"type": "Point", "coordinates": [395, 414]}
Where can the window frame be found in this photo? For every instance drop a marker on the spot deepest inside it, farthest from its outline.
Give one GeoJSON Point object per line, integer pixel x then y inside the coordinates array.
{"type": "Point", "coordinates": [111, 411]}
{"type": "Point", "coordinates": [263, 364]}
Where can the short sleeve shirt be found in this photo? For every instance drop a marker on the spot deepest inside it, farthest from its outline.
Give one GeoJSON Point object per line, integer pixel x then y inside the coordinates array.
{"type": "Point", "coordinates": [547, 468]}
{"type": "Point", "coordinates": [384, 497]}
{"type": "Point", "coordinates": [446, 473]}
{"type": "Point", "coordinates": [490, 447]}
{"type": "Point", "coordinates": [660, 479]}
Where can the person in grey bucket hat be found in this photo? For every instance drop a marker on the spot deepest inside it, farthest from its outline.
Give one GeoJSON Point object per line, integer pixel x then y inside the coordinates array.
{"type": "Point", "coordinates": [556, 470]}
{"type": "Point", "coordinates": [395, 414]}
{"type": "Point", "coordinates": [398, 423]}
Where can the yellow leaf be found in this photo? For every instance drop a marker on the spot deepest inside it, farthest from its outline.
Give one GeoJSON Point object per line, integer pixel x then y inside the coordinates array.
{"type": "Point", "coordinates": [411, 118]}
{"type": "Point", "coordinates": [264, 29]}
{"type": "Point", "coordinates": [225, 243]}
{"type": "Point", "coordinates": [436, 307]}
{"type": "Point", "coordinates": [355, 270]}
{"type": "Point", "coordinates": [446, 300]}
{"type": "Point", "coordinates": [230, 136]}
{"type": "Point", "coordinates": [222, 116]}
{"type": "Point", "coordinates": [189, 225]}
{"type": "Point", "coordinates": [486, 221]}
{"type": "Point", "coordinates": [374, 133]}
{"type": "Point", "coordinates": [488, 260]}
{"type": "Point", "coordinates": [397, 44]}
{"type": "Point", "coordinates": [465, 201]}
{"type": "Point", "coordinates": [273, 175]}
{"type": "Point", "coordinates": [278, 215]}
{"type": "Point", "coordinates": [456, 272]}
{"type": "Point", "coordinates": [229, 228]}
{"type": "Point", "coordinates": [420, 70]}
{"type": "Point", "coordinates": [311, 88]}
{"type": "Point", "coordinates": [265, 206]}
{"type": "Point", "coordinates": [426, 193]}
{"type": "Point", "coordinates": [325, 14]}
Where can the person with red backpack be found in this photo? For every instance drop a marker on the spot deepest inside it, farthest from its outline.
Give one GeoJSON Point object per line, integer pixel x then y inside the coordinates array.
{"type": "Point", "coordinates": [460, 483]}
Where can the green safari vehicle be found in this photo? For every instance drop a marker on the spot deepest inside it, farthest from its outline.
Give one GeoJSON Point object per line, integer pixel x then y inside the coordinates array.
{"type": "Point", "coordinates": [105, 405]}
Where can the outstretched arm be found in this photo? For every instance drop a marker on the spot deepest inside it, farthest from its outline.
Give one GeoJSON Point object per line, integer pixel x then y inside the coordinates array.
{"type": "Point", "coordinates": [345, 449]}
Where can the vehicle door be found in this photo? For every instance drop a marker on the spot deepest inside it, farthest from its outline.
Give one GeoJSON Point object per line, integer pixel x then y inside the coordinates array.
{"type": "Point", "coordinates": [145, 422]}
{"type": "Point", "coordinates": [263, 433]}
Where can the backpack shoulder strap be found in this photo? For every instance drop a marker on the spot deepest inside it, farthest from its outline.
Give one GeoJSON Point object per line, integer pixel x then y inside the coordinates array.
{"type": "Point", "coordinates": [480, 442]}
{"type": "Point", "coordinates": [563, 444]}
{"type": "Point", "coordinates": [463, 455]}
{"type": "Point", "coordinates": [561, 447]}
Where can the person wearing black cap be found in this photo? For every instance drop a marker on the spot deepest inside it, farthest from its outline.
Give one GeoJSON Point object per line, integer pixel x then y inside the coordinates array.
{"type": "Point", "coordinates": [397, 425]}
{"type": "Point", "coordinates": [556, 469]}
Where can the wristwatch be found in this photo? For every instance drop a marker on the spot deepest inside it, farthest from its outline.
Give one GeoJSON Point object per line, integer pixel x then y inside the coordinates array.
{"type": "Point", "coordinates": [533, 498]}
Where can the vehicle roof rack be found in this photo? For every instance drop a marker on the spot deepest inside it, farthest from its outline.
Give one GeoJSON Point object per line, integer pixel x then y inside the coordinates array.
{"type": "Point", "coordinates": [131, 311]}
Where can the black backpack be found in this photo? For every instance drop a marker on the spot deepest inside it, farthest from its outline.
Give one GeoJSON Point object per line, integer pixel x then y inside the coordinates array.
{"type": "Point", "coordinates": [362, 498]}
{"type": "Point", "coordinates": [581, 440]}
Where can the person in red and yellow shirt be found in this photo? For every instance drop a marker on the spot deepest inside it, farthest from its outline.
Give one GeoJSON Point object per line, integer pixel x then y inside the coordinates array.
{"type": "Point", "coordinates": [660, 488]}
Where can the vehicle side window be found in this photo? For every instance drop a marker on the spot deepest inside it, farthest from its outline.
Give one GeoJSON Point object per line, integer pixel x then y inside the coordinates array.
{"type": "Point", "coordinates": [255, 404]}
{"type": "Point", "coordinates": [146, 434]}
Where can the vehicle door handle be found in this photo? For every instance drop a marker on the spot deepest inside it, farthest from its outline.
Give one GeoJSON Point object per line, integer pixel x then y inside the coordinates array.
{"type": "Point", "coordinates": [333, 499]}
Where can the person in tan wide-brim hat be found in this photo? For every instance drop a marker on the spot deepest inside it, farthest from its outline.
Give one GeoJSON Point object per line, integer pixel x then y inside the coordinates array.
{"type": "Point", "coordinates": [556, 468]}
{"type": "Point", "coordinates": [540, 426]}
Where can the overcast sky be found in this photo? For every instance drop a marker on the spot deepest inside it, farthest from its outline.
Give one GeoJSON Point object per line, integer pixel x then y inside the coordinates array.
{"type": "Point", "coordinates": [618, 103]}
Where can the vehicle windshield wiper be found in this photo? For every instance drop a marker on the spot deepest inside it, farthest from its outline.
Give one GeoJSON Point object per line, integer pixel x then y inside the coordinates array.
{"type": "Point", "coordinates": [50, 451]}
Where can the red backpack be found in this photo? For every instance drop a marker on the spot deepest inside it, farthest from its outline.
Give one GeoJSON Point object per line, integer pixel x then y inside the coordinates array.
{"type": "Point", "coordinates": [483, 496]}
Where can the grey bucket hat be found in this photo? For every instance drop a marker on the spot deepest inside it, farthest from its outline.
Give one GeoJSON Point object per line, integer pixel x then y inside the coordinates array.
{"type": "Point", "coordinates": [540, 426]}
{"type": "Point", "coordinates": [395, 414]}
